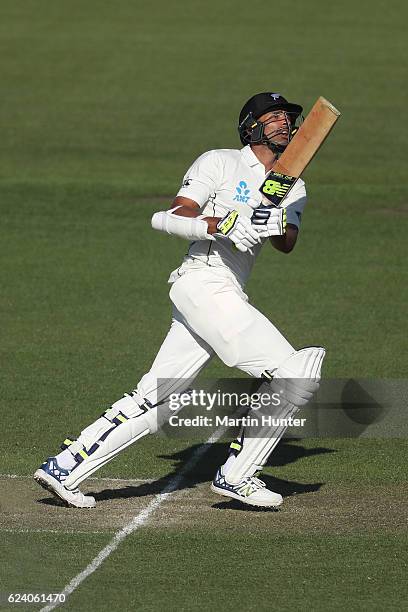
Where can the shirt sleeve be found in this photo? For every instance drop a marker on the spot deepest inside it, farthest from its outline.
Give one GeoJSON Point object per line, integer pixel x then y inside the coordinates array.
{"type": "Point", "coordinates": [295, 203]}
{"type": "Point", "coordinates": [202, 179]}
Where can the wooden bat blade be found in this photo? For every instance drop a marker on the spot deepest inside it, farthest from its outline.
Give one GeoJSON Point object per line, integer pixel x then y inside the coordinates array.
{"type": "Point", "coordinates": [309, 138]}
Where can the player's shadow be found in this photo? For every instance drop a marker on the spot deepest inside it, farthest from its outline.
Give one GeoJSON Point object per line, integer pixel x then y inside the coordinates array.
{"type": "Point", "coordinates": [207, 465]}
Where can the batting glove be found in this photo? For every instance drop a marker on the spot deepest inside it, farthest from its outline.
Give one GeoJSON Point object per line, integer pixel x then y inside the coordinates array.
{"type": "Point", "coordinates": [239, 230]}
{"type": "Point", "coordinates": [269, 221]}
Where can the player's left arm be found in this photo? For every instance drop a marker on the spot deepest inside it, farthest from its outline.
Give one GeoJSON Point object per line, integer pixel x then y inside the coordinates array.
{"type": "Point", "coordinates": [286, 242]}
{"type": "Point", "coordinates": [282, 227]}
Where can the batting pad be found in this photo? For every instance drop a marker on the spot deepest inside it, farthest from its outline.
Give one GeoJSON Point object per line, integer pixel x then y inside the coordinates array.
{"type": "Point", "coordinates": [295, 380]}
{"type": "Point", "coordinates": [128, 420]}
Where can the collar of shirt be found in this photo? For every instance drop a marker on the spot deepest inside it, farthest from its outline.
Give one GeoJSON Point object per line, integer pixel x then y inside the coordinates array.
{"type": "Point", "coordinates": [252, 160]}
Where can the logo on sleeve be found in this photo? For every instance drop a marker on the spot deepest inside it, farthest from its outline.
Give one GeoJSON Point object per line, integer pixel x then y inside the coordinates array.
{"type": "Point", "coordinates": [187, 182]}
{"type": "Point", "coordinates": [243, 192]}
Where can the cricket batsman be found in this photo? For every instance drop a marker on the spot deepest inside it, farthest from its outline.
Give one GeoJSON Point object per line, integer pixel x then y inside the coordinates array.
{"type": "Point", "coordinates": [221, 212]}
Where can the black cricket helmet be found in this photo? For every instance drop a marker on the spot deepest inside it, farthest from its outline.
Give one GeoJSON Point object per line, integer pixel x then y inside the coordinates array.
{"type": "Point", "coordinates": [251, 131]}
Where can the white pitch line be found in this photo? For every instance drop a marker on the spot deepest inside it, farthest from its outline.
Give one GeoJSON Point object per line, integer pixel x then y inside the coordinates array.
{"type": "Point", "coordinates": [138, 521]}
{"type": "Point", "coordinates": [25, 477]}
{"type": "Point", "coordinates": [57, 531]}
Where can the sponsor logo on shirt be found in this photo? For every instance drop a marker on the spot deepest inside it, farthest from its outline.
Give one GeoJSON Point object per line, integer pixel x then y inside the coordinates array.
{"type": "Point", "coordinates": [187, 182]}
{"type": "Point", "coordinates": [243, 192]}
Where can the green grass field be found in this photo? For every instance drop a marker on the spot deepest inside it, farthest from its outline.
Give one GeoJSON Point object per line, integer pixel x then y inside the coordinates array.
{"type": "Point", "coordinates": [103, 107]}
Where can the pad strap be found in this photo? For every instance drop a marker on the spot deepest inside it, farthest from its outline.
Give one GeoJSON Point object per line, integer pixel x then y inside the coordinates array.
{"type": "Point", "coordinates": [114, 417]}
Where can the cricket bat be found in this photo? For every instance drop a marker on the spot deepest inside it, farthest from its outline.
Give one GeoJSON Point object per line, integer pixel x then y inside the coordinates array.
{"type": "Point", "coordinates": [300, 151]}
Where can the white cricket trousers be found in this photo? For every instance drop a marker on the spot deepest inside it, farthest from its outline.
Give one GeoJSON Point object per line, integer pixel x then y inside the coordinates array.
{"type": "Point", "coordinates": [211, 314]}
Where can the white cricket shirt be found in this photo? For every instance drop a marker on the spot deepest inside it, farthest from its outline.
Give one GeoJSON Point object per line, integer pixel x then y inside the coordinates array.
{"type": "Point", "coordinates": [220, 181]}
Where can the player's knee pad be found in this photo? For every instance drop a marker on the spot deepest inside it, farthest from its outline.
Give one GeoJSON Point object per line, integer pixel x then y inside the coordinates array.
{"type": "Point", "coordinates": [298, 376]}
{"type": "Point", "coordinates": [126, 421]}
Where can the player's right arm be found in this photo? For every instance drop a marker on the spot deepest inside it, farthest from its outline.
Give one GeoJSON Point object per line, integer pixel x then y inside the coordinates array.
{"type": "Point", "coordinates": [184, 219]}
{"type": "Point", "coordinates": [185, 207]}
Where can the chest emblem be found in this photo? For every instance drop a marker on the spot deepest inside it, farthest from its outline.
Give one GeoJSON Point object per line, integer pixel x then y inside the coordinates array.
{"type": "Point", "coordinates": [243, 192]}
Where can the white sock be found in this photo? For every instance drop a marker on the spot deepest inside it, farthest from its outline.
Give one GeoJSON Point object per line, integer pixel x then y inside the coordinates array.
{"type": "Point", "coordinates": [228, 464]}
{"type": "Point", "coordinates": [66, 460]}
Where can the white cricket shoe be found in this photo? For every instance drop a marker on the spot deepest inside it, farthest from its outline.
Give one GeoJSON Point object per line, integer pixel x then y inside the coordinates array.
{"type": "Point", "coordinates": [250, 490]}
{"type": "Point", "coordinates": [51, 477]}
